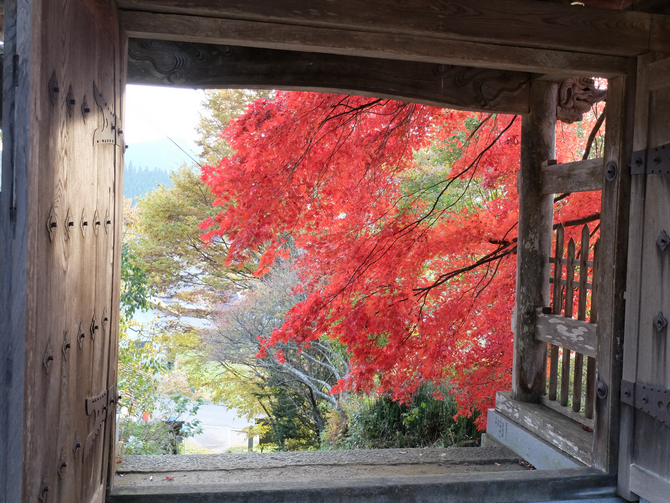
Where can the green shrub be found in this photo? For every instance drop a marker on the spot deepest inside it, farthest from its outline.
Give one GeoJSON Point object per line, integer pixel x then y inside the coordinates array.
{"type": "Point", "coordinates": [379, 423]}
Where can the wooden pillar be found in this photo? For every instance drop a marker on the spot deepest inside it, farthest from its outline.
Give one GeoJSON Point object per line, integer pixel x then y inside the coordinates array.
{"type": "Point", "coordinates": [538, 141]}
{"type": "Point", "coordinates": [612, 267]}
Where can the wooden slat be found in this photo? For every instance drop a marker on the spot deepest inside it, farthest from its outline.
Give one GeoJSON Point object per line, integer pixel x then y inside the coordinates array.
{"type": "Point", "coordinates": [513, 22]}
{"type": "Point", "coordinates": [659, 74]}
{"type": "Point", "coordinates": [580, 176]}
{"type": "Point", "coordinates": [581, 315]}
{"type": "Point", "coordinates": [569, 296]}
{"type": "Point", "coordinates": [463, 88]}
{"type": "Point", "coordinates": [568, 412]}
{"type": "Point", "coordinates": [538, 137]}
{"type": "Point", "coordinates": [568, 333]}
{"type": "Point", "coordinates": [351, 42]}
{"type": "Point", "coordinates": [554, 427]}
{"type": "Point", "coordinates": [612, 272]}
{"type": "Point", "coordinates": [590, 387]}
{"type": "Point", "coordinates": [556, 309]}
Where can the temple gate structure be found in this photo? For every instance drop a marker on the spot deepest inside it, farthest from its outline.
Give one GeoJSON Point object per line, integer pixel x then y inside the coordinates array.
{"type": "Point", "coordinates": [65, 67]}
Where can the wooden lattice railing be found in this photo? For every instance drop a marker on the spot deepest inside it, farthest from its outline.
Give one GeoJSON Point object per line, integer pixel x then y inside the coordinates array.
{"type": "Point", "coordinates": [571, 386]}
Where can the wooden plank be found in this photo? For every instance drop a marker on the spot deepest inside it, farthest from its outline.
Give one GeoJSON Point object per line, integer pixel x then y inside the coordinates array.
{"type": "Point", "coordinates": [652, 438]}
{"type": "Point", "coordinates": [538, 137]}
{"type": "Point", "coordinates": [659, 74]}
{"type": "Point", "coordinates": [383, 45]}
{"type": "Point", "coordinates": [634, 279]}
{"type": "Point", "coordinates": [581, 315]}
{"type": "Point", "coordinates": [648, 485]}
{"type": "Point", "coordinates": [568, 333]}
{"type": "Point", "coordinates": [580, 176]}
{"type": "Point", "coordinates": [568, 412]}
{"type": "Point", "coordinates": [16, 211]}
{"type": "Point", "coordinates": [539, 453]}
{"type": "Point", "coordinates": [512, 23]}
{"type": "Point", "coordinates": [152, 62]}
{"type": "Point", "coordinates": [612, 271]}
{"type": "Point", "coordinates": [549, 425]}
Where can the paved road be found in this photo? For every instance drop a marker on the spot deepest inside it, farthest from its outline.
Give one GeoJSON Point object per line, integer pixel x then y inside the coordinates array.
{"type": "Point", "coordinates": [221, 429]}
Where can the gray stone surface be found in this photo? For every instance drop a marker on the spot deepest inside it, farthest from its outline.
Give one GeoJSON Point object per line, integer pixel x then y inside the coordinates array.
{"type": "Point", "coordinates": [330, 465]}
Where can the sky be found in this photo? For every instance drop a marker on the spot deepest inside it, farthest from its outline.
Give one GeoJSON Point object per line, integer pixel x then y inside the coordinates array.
{"type": "Point", "coordinates": [154, 112]}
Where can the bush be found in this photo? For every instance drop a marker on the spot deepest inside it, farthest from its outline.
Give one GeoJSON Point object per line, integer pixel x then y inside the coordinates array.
{"type": "Point", "coordinates": [380, 423]}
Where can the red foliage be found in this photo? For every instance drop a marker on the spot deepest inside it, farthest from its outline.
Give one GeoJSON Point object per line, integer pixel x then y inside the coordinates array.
{"type": "Point", "coordinates": [390, 274]}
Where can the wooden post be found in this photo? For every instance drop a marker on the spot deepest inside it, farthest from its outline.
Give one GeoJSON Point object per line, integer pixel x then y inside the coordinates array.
{"type": "Point", "coordinates": [538, 140]}
{"type": "Point", "coordinates": [612, 270]}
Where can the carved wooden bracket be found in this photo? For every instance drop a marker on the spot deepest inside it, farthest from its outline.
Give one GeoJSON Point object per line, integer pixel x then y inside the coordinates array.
{"type": "Point", "coordinates": [185, 64]}
{"type": "Point", "coordinates": [576, 95]}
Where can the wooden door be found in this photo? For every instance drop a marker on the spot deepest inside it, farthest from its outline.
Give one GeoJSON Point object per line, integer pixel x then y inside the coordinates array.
{"type": "Point", "coordinates": [644, 463]}
{"type": "Point", "coordinates": [61, 207]}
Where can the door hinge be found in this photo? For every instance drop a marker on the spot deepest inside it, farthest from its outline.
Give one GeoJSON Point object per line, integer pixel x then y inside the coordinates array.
{"type": "Point", "coordinates": [652, 161]}
{"type": "Point", "coordinates": [652, 400]}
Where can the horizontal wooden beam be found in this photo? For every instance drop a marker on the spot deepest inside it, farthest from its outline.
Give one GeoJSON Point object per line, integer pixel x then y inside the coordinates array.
{"type": "Point", "coordinates": [424, 48]}
{"type": "Point", "coordinates": [522, 23]}
{"type": "Point", "coordinates": [549, 425]}
{"type": "Point", "coordinates": [569, 333]}
{"type": "Point", "coordinates": [580, 176]}
{"type": "Point", "coordinates": [648, 485]}
{"type": "Point", "coordinates": [184, 64]}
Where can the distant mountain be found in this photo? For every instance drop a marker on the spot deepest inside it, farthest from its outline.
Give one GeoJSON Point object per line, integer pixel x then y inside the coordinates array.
{"type": "Point", "coordinates": [161, 154]}
{"type": "Point", "coordinates": [150, 163]}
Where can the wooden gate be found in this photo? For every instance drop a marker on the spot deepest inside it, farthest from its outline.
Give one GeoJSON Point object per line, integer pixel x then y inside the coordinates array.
{"type": "Point", "coordinates": [644, 463]}
{"type": "Point", "coordinates": [61, 207]}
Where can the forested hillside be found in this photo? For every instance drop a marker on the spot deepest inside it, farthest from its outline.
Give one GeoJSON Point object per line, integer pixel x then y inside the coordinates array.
{"type": "Point", "coordinates": [137, 181]}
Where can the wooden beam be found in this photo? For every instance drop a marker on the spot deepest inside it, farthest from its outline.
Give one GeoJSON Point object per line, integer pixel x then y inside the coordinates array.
{"type": "Point", "coordinates": [538, 139]}
{"type": "Point", "coordinates": [612, 269]}
{"type": "Point", "coordinates": [580, 176]}
{"type": "Point", "coordinates": [522, 23]}
{"type": "Point", "coordinates": [569, 333]}
{"type": "Point", "coordinates": [185, 64]}
{"type": "Point", "coordinates": [648, 485]}
{"type": "Point", "coordinates": [349, 42]}
{"type": "Point", "coordinates": [548, 424]}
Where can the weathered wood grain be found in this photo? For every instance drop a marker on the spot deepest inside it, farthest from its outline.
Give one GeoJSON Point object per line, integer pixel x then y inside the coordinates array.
{"type": "Point", "coordinates": [648, 485]}
{"type": "Point", "coordinates": [184, 64]}
{"type": "Point", "coordinates": [557, 309]}
{"type": "Point", "coordinates": [659, 74]}
{"type": "Point", "coordinates": [612, 271]}
{"type": "Point", "coordinates": [568, 412]}
{"type": "Point", "coordinates": [512, 23]}
{"type": "Point", "coordinates": [580, 176]}
{"type": "Point", "coordinates": [351, 42]}
{"type": "Point", "coordinates": [538, 137]}
{"type": "Point", "coordinates": [58, 273]}
{"type": "Point", "coordinates": [554, 427]}
{"type": "Point", "coordinates": [16, 211]}
{"type": "Point", "coordinates": [568, 333]}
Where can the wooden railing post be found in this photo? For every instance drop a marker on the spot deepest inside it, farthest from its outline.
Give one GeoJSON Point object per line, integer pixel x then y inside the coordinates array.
{"type": "Point", "coordinates": [538, 140]}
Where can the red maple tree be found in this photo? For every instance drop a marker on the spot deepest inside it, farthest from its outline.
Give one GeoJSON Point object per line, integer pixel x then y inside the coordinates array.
{"type": "Point", "coordinates": [416, 279]}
